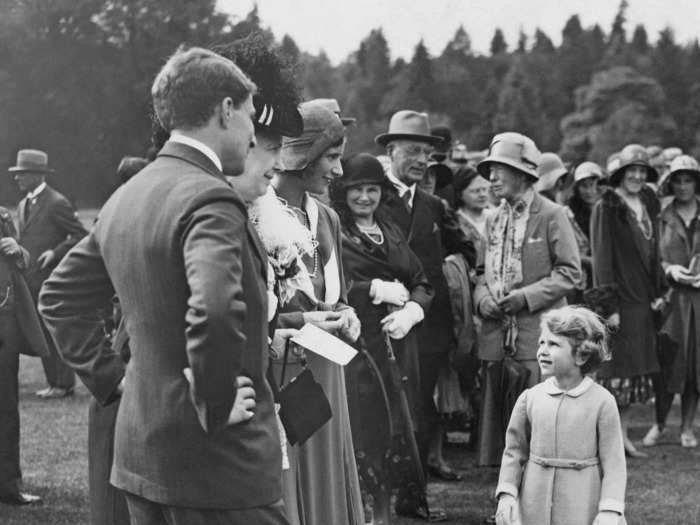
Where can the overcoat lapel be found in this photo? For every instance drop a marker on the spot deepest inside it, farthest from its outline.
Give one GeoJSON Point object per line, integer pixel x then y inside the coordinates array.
{"type": "Point", "coordinates": [534, 219]}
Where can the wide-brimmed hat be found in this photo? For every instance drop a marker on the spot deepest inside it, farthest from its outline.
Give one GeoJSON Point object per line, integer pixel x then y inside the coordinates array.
{"type": "Point", "coordinates": [681, 164]}
{"type": "Point", "coordinates": [333, 105]}
{"type": "Point", "coordinates": [408, 125]}
{"type": "Point", "coordinates": [514, 150]}
{"type": "Point", "coordinates": [286, 121]}
{"type": "Point", "coordinates": [362, 168]}
{"type": "Point", "coordinates": [587, 170]}
{"type": "Point", "coordinates": [633, 155]}
{"type": "Point", "coordinates": [322, 129]}
{"type": "Point", "coordinates": [31, 161]}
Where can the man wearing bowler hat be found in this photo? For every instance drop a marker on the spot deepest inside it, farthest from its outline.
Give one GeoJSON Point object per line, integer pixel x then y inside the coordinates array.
{"type": "Point", "coordinates": [432, 234]}
{"type": "Point", "coordinates": [48, 228]}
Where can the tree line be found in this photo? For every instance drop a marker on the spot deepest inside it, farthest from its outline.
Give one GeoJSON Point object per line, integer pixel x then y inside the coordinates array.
{"type": "Point", "coordinates": [75, 81]}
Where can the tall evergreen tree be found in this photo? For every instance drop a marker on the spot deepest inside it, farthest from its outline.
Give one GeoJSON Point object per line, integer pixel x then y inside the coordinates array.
{"type": "Point", "coordinates": [519, 104]}
{"type": "Point", "coordinates": [498, 43]}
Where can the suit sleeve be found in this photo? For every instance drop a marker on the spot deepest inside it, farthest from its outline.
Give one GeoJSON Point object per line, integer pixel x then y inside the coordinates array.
{"type": "Point", "coordinates": [517, 449]}
{"type": "Point", "coordinates": [453, 238]}
{"type": "Point", "coordinates": [421, 290]}
{"type": "Point", "coordinates": [67, 220]}
{"type": "Point", "coordinates": [566, 264]}
{"type": "Point", "coordinates": [214, 240]}
{"type": "Point", "coordinates": [70, 302]}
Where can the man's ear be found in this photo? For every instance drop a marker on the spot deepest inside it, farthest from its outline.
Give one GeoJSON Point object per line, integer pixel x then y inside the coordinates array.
{"type": "Point", "coordinates": [390, 149]}
{"type": "Point", "coordinates": [225, 110]}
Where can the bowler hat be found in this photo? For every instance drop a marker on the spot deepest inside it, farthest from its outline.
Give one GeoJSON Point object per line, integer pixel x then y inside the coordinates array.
{"type": "Point", "coordinates": [363, 168]}
{"type": "Point", "coordinates": [514, 150]}
{"type": "Point", "coordinates": [408, 125]}
{"type": "Point", "coordinates": [286, 121]}
{"type": "Point", "coordinates": [31, 161]}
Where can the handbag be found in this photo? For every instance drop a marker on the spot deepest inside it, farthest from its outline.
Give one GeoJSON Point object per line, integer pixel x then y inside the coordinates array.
{"type": "Point", "coordinates": [514, 375]}
{"type": "Point", "coordinates": [304, 407]}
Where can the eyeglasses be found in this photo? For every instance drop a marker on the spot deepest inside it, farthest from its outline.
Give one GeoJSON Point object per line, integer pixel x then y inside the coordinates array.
{"type": "Point", "coordinates": [414, 150]}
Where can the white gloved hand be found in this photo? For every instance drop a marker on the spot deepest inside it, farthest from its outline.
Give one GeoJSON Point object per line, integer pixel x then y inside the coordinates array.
{"type": "Point", "coordinates": [388, 292]}
{"type": "Point", "coordinates": [279, 341]}
{"type": "Point", "coordinates": [678, 273]}
{"type": "Point", "coordinates": [397, 324]}
{"type": "Point", "coordinates": [507, 512]}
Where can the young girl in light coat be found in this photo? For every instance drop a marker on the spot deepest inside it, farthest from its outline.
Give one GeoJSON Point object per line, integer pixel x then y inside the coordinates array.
{"type": "Point", "coordinates": [564, 460]}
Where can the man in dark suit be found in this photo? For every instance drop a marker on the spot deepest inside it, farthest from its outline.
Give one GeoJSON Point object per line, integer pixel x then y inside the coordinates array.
{"type": "Point", "coordinates": [20, 332]}
{"type": "Point", "coordinates": [48, 228]}
{"type": "Point", "coordinates": [432, 233]}
{"type": "Point", "coordinates": [196, 438]}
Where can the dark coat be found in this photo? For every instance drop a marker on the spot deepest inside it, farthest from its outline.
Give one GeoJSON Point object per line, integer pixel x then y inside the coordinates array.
{"type": "Point", "coordinates": [433, 233]}
{"type": "Point", "coordinates": [52, 225]}
{"type": "Point", "coordinates": [364, 261]}
{"type": "Point", "coordinates": [16, 297]}
{"type": "Point", "coordinates": [175, 245]}
{"type": "Point", "coordinates": [627, 263]}
{"type": "Point", "coordinates": [676, 247]}
{"type": "Point", "coordinates": [551, 267]}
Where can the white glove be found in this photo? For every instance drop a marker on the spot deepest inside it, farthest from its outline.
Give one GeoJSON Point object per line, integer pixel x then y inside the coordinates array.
{"type": "Point", "coordinates": [388, 292]}
{"type": "Point", "coordinates": [397, 324]}
{"type": "Point", "coordinates": [678, 273]}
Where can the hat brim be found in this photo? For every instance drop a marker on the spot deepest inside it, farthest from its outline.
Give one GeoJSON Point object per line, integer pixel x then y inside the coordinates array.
{"type": "Point", "coordinates": [483, 167]}
{"type": "Point", "coordinates": [385, 138]}
{"type": "Point", "coordinates": [616, 176]}
{"type": "Point", "coordinates": [21, 169]}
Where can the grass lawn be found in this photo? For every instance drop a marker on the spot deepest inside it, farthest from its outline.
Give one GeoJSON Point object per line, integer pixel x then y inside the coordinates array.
{"type": "Point", "coordinates": [663, 489]}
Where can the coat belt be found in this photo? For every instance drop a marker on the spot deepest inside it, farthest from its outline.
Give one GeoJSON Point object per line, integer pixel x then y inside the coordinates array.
{"type": "Point", "coordinates": [576, 464]}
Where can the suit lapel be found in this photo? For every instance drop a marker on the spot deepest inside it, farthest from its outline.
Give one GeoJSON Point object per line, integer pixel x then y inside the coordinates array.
{"type": "Point", "coordinates": [535, 217]}
{"type": "Point", "coordinates": [36, 207]}
{"type": "Point", "coordinates": [20, 212]}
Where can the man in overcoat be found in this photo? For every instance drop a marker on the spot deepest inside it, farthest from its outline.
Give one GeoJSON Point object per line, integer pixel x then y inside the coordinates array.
{"type": "Point", "coordinates": [20, 332]}
{"type": "Point", "coordinates": [432, 233]}
{"type": "Point", "coordinates": [48, 228]}
{"type": "Point", "coordinates": [196, 439]}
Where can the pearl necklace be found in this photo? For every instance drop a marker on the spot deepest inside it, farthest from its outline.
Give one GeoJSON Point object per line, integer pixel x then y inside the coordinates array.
{"type": "Point", "coordinates": [373, 232]}
{"type": "Point", "coordinates": [307, 223]}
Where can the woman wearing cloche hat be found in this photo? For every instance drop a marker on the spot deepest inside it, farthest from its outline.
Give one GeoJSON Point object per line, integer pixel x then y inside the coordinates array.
{"type": "Point", "coordinates": [390, 294]}
{"type": "Point", "coordinates": [679, 244]}
{"type": "Point", "coordinates": [626, 268]}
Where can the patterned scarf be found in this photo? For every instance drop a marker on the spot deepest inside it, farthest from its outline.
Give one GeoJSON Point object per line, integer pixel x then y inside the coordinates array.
{"type": "Point", "coordinates": [503, 263]}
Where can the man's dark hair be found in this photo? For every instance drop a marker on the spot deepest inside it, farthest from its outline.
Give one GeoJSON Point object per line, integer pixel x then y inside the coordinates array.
{"type": "Point", "coordinates": [192, 83]}
{"type": "Point", "coordinates": [273, 74]}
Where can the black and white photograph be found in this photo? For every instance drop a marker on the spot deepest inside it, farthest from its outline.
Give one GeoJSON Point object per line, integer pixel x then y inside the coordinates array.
{"type": "Point", "coordinates": [321, 262]}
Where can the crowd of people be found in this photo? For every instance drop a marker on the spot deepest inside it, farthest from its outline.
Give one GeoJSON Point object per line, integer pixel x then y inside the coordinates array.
{"type": "Point", "coordinates": [450, 275]}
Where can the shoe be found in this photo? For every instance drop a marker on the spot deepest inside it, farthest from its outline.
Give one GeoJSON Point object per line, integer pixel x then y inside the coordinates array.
{"type": "Point", "coordinates": [445, 473]}
{"type": "Point", "coordinates": [688, 439]}
{"type": "Point", "coordinates": [434, 515]}
{"type": "Point", "coordinates": [43, 391]}
{"type": "Point", "coordinates": [20, 498]}
{"type": "Point", "coordinates": [56, 392]}
{"type": "Point", "coordinates": [653, 436]}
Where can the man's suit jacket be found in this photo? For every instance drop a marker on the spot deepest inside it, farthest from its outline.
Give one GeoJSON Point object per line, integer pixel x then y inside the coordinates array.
{"type": "Point", "coordinates": [176, 246]}
{"type": "Point", "coordinates": [432, 233]}
{"type": "Point", "coordinates": [52, 225]}
{"type": "Point", "coordinates": [15, 297]}
{"type": "Point", "coordinates": [551, 268]}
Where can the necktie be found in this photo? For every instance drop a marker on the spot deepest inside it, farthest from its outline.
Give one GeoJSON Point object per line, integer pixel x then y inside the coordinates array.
{"type": "Point", "coordinates": [406, 198]}
{"type": "Point", "coordinates": [27, 206]}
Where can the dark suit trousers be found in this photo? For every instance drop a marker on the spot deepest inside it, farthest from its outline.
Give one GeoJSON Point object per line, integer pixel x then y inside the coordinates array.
{"type": "Point", "coordinates": [58, 374]}
{"type": "Point", "coordinates": [10, 473]}
{"type": "Point", "coordinates": [145, 512]}
{"type": "Point", "coordinates": [107, 503]}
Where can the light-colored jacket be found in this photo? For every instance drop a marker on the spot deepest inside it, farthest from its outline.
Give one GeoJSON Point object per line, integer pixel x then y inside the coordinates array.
{"type": "Point", "coordinates": [551, 268]}
{"type": "Point", "coordinates": [551, 427]}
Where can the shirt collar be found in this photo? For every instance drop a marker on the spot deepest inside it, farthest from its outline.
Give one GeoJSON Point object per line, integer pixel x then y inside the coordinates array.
{"type": "Point", "coordinates": [177, 136]}
{"type": "Point", "coordinates": [401, 186]}
{"type": "Point", "coordinates": [552, 389]}
{"type": "Point", "coordinates": [34, 194]}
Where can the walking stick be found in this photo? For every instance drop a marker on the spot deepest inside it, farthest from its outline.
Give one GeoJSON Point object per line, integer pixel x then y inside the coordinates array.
{"type": "Point", "coordinates": [398, 382]}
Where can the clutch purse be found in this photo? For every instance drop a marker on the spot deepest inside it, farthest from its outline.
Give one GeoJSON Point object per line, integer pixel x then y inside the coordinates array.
{"type": "Point", "coordinates": [304, 407]}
